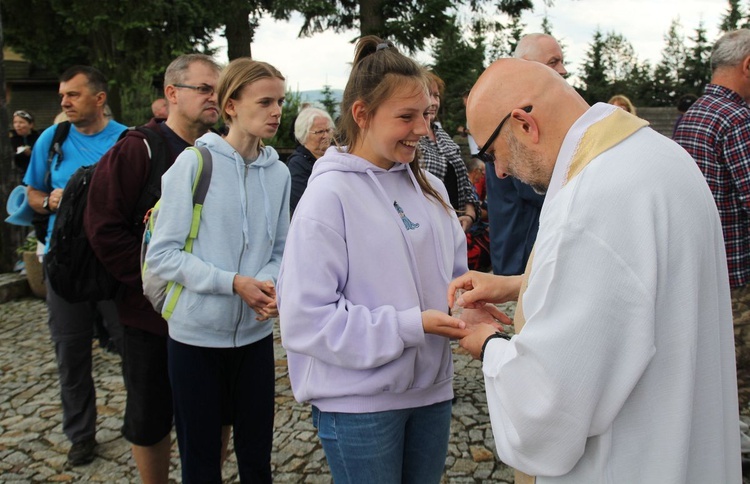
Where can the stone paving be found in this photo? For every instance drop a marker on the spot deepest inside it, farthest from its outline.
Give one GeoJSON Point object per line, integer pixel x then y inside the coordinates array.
{"type": "Point", "coordinates": [33, 447]}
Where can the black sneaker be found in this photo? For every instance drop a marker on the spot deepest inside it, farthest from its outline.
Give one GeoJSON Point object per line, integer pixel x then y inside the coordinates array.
{"type": "Point", "coordinates": [82, 453]}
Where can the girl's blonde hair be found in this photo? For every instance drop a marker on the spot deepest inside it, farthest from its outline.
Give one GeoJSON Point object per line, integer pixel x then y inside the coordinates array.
{"type": "Point", "coordinates": [377, 72]}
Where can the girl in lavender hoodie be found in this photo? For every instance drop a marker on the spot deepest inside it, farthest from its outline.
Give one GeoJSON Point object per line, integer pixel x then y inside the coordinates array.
{"type": "Point", "coordinates": [362, 290]}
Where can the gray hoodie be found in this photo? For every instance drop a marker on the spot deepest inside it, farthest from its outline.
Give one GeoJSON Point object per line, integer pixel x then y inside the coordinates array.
{"type": "Point", "coordinates": [243, 229]}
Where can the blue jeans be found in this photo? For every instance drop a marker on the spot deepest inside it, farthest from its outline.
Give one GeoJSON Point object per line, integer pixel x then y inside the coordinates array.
{"type": "Point", "coordinates": [395, 446]}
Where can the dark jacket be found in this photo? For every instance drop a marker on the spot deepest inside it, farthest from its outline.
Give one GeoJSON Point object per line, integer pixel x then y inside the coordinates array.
{"type": "Point", "coordinates": [300, 165]}
{"type": "Point", "coordinates": [22, 160]}
{"type": "Point", "coordinates": [513, 209]}
{"type": "Point", "coordinates": [109, 221]}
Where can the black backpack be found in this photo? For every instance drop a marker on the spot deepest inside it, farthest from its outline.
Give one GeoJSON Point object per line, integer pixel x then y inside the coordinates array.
{"type": "Point", "coordinates": [73, 270]}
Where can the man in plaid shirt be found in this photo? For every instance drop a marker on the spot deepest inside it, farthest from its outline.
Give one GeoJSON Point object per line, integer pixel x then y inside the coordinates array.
{"type": "Point", "coordinates": [716, 132]}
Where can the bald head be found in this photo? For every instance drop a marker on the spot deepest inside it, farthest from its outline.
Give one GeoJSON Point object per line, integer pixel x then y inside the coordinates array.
{"type": "Point", "coordinates": [541, 48]}
{"type": "Point", "coordinates": [160, 108]}
{"type": "Point", "coordinates": [506, 87]}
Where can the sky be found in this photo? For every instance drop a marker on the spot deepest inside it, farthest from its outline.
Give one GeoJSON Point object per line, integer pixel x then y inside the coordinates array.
{"type": "Point", "coordinates": [324, 59]}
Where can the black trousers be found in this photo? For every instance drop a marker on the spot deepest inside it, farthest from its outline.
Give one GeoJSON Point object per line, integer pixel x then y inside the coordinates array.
{"type": "Point", "coordinates": [202, 379]}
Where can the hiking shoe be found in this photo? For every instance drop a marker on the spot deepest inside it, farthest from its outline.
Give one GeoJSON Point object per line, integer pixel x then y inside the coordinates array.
{"type": "Point", "coordinates": [82, 453]}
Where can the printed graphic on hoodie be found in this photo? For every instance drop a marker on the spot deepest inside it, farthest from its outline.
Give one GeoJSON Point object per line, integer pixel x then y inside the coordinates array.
{"type": "Point", "coordinates": [408, 223]}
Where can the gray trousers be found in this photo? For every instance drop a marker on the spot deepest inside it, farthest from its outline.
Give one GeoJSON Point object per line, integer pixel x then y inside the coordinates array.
{"type": "Point", "coordinates": [71, 328]}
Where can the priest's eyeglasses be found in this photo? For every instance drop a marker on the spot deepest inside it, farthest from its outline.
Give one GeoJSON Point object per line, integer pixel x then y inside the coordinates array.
{"type": "Point", "coordinates": [490, 157]}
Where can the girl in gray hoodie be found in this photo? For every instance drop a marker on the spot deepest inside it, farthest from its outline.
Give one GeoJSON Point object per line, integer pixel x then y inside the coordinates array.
{"type": "Point", "coordinates": [220, 342]}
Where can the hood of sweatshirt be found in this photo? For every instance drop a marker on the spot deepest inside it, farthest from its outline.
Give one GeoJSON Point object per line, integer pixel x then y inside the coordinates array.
{"type": "Point", "coordinates": [266, 157]}
{"type": "Point", "coordinates": [338, 159]}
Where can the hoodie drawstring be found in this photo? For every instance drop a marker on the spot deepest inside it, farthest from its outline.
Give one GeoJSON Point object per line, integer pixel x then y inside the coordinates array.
{"type": "Point", "coordinates": [435, 235]}
{"type": "Point", "coordinates": [242, 179]}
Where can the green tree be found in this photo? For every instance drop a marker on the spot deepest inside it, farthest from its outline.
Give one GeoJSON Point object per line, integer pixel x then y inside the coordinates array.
{"type": "Point", "coordinates": [667, 84]}
{"type": "Point", "coordinates": [329, 101]}
{"type": "Point", "coordinates": [618, 58]}
{"type": "Point", "coordinates": [458, 64]}
{"type": "Point", "coordinates": [241, 19]}
{"type": "Point", "coordinates": [130, 42]}
{"type": "Point", "coordinates": [696, 71]}
{"type": "Point", "coordinates": [409, 23]}
{"type": "Point", "coordinates": [732, 17]}
{"type": "Point", "coordinates": [595, 86]}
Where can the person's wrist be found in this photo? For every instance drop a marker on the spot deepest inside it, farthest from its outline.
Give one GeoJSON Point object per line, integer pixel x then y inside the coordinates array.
{"type": "Point", "coordinates": [495, 335]}
{"type": "Point", "coordinates": [46, 206]}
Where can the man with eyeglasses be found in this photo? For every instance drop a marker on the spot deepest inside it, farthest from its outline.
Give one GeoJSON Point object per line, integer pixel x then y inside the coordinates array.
{"type": "Point", "coordinates": [83, 97]}
{"type": "Point", "coordinates": [622, 365]}
{"type": "Point", "coordinates": [116, 187]}
{"type": "Point", "coordinates": [513, 207]}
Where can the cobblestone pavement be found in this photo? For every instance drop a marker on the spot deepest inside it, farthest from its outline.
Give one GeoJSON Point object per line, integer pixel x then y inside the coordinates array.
{"type": "Point", "coordinates": [33, 447]}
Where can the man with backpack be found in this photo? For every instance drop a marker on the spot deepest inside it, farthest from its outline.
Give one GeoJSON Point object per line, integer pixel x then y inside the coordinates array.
{"type": "Point", "coordinates": [83, 97]}
{"type": "Point", "coordinates": [114, 203]}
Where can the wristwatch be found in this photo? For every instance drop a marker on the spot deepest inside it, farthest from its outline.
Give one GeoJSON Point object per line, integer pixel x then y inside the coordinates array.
{"type": "Point", "coordinates": [45, 204]}
{"type": "Point", "coordinates": [496, 334]}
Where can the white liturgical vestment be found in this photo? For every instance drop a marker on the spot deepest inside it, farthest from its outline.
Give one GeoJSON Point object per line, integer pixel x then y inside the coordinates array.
{"type": "Point", "coordinates": [625, 370]}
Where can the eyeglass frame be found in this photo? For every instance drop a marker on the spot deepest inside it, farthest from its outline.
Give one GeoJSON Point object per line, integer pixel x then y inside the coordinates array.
{"type": "Point", "coordinates": [198, 89]}
{"type": "Point", "coordinates": [321, 131]}
{"type": "Point", "coordinates": [490, 158]}
{"type": "Point", "coordinates": [24, 114]}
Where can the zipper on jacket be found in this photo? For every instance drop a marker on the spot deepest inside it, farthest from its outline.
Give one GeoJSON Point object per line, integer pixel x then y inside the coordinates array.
{"type": "Point", "coordinates": [242, 254]}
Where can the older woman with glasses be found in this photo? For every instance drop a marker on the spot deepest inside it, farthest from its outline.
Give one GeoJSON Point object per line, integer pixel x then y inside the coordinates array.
{"type": "Point", "coordinates": [22, 138]}
{"type": "Point", "coordinates": [314, 131]}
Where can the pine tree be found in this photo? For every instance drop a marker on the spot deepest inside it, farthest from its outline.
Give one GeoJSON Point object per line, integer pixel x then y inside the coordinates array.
{"type": "Point", "coordinates": [458, 64]}
{"type": "Point", "coordinates": [329, 101]}
{"type": "Point", "coordinates": [732, 17]}
{"type": "Point", "coordinates": [667, 85]}
{"type": "Point", "coordinates": [696, 71]}
{"type": "Point", "coordinates": [595, 85]}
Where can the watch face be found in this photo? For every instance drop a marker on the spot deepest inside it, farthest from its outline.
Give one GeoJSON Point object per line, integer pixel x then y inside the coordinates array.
{"type": "Point", "coordinates": [45, 203]}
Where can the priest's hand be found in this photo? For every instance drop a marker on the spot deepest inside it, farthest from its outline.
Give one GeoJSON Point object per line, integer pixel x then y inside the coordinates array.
{"type": "Point", "coordinates": [488, 314]}
{"type": "Point", "coordinates": [482, 288]}
{"type": "Point", "coordinates": [474, 341]}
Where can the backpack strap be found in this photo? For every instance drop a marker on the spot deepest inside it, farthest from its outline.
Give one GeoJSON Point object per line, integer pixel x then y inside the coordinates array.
{"type": "Point", "coordinates": [157, 153]}
{"type": "Point", "coordinates": [200, 189]}
{"type": "Point", "coordinates": [61, 134]}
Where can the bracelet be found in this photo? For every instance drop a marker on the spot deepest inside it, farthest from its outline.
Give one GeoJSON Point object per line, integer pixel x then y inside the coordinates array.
{"type": "Point", "coordinates": [496, 334]}
{"type": "Point", "coordinates": [467, 215]}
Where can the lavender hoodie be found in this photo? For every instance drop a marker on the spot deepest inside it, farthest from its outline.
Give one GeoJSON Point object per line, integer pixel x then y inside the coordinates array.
{"type": "Point", "coordinates": [366, 253]}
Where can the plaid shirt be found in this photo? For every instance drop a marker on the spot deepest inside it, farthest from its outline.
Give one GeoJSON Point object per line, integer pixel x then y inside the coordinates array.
{"type": "Point", "coordinates": [434, 158]}
{"type": "Point", "coordinates": [716, 133]}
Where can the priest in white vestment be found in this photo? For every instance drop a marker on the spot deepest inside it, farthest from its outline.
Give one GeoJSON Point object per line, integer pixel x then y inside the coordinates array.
{"type": "Point", "coordinates": [624, 371]}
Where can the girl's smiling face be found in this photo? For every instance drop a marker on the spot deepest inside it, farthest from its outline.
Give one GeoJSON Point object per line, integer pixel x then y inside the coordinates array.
{"type": "Point", "coordinates": [392, 132]}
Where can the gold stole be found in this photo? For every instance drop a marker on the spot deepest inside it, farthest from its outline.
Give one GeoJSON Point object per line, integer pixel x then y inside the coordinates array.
{"type": "Point", "coordinates": [597, 139]}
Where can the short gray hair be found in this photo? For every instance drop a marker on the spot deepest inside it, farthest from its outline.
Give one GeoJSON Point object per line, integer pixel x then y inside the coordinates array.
{"type": "Point", "coordinates": [175, 73]}
{"type": "Point", "coordinates": [527, 43]}
{"type": "Point", "coordinates": [730, 49]}
{"type": "Point", "coordinates": [305, 120]}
